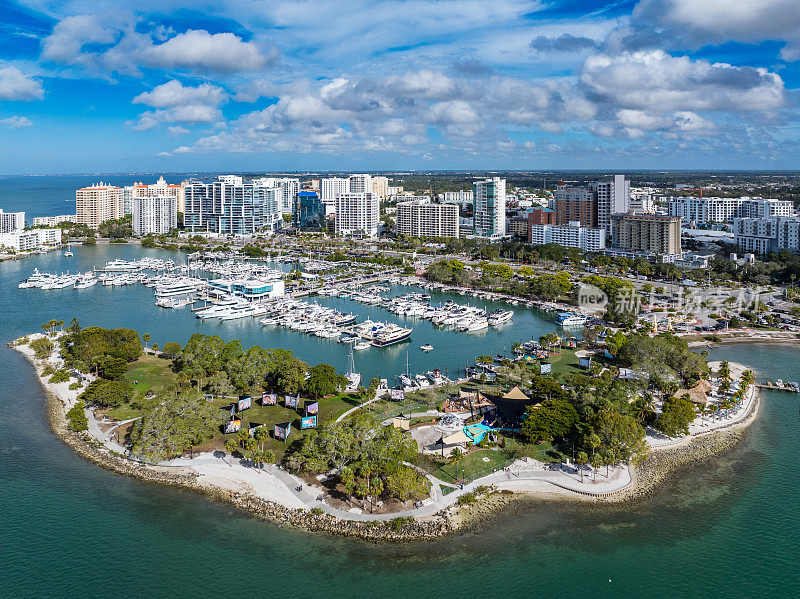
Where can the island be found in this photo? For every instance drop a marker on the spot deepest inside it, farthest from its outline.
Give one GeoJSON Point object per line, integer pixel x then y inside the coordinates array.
{"type": "Point", "coordinates": [601, 419]}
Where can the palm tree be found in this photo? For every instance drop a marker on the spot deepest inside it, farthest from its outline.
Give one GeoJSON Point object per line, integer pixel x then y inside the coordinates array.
{"type": "Point", "coordinates": [146, 339]}
{"type": "Point", "coordinates": [581, 460]}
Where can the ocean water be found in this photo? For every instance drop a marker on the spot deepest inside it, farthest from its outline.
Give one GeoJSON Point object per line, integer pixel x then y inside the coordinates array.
{"type": "Point", "coordinates": [724, 528]}
{"type": "Point", "coordinates": [52, 195]}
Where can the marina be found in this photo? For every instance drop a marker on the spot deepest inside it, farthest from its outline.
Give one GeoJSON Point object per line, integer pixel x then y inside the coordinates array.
{"type": "Point", "coordinates": [127, 279]}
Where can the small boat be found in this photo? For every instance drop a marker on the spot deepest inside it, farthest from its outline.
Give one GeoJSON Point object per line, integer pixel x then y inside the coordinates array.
{"type": "Point", "coordinates": [68, 253]}
{"type": "Point", "coordinates": [362, 345]}
{"type": "Point", "coordinates": [426, 347]}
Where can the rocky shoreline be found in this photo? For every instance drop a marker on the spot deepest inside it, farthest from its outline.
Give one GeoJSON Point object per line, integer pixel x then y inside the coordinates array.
{"type": "Point", "coordinates": [455, 518]}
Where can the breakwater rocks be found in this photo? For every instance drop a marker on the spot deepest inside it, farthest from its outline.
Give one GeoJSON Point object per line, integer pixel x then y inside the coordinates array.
{"type": "Point", "coordinates": [664, 462]}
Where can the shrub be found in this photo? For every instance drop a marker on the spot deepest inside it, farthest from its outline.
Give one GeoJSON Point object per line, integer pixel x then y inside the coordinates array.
{"type": "Point", "coordinates": [61, 375]}
{"type": "Point", "coordinates": [75, 385]}
{"type": "Point", "coordinates": [48, 370]}
{"type": "Point", "coordinates": [467, 498]}
{"type": "Point", "coordinates": [317, 511]}
{"type": "Point", "coordinates": [76, 418]}
{"type": "Point", "coordinates": [399, 523]}
{"type": "Point", "coordinates": [42, 347]}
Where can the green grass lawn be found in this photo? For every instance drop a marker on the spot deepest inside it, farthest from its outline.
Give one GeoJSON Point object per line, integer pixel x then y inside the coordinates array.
{"type": "Point", "coordinates": [329, 409]}
{"type": "Point", "coordinates": [471, 464]}
{"type": "Point", "coordinates": [150, 373]}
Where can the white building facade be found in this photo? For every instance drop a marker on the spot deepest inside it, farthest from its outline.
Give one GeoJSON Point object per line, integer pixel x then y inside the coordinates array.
{"type": "Point", "coordinates": [357, 214]}
{"type": "Point", "coordinates": [52, 221]}
{"type": "Point", "coordinates": [764, 235]}
{"type": "Point", "coordinates": [21, 240]}
{"type": "Point", "coordinates": [418, 217]}
{"type": "Point", "coordinates": [158, 214]}
{"type": "Point", "coordinates": [588, 239]}
{"type": "Point", "coordinates": [11, 221]}
{"type": "Point", "coordinates": [613, 197]}
{"type": "Point", "coordinates": [707, 211]}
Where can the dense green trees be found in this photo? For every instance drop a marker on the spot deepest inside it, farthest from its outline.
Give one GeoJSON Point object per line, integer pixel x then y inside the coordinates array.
{"type": "Point", "coordinates": [676, 415]}
{"type": "Point", "coordinates": [107, 394]}
{"type": "Point", "coordinates": [180, 419]}
{"type": "Point", "coordinates": [42, 347]}
{"type": "Point", "coordinates": [84, 346]}
{"type": "Point", "coordinates": [554, 418]}
{"type": "Point", "coordinates": [369, 457]}
{"type": "Point", "coordinates": [322, 381]}
{"type": "Point", "coordinates": [664, 356]}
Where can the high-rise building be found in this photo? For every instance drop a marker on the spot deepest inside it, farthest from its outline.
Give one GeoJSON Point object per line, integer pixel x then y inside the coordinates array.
{"type": "Point", "coordinates": [574, 235]}
{"type": "Point", "coordinates": [289, 188]}
{"type": "Point", "coordinates": [127, 199]}
{"type": "Point", "coordinates": [613, 197]}
{"type": "Point", "coordinates": [652, 234]}
{"type": "Point", "coordinates": [331, 187]}
{"type": "Point", "coordinates": [418, 217]}
{"type": "Point", "coordinates": [160, 189]}
{"type": "Point", "coordinates": [575, 204]}
{"type": "Point", "coordinates": [357, 214]}
{"type": "Point", "coordinates": [11, 221]}
{"type": "Point", "coordinates": [489, 201]}
{"type": "Point", "coordinates": [380, 187]}
{"type": "Point", "coordinates": [309, 212]}
{"type": "Point", "coordinates": [98, 203]}
{"type": "Point", "coordinates": [231, 206]}
{"type": "Point", "coordinates": [154, 214]}
{"type": "Point", "coordinates": [359, 184]}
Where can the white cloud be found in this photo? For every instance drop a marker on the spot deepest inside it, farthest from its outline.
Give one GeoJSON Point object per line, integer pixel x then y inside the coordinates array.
{"type": "Point", "coordinates": [187, 114]}
{"type": "Point", "coordinates": [177, 131]}
{"type": "Point", "coordinates": [695, 24]}
{"type": "Point", "coordinates": [16, 122]}
{"type": "Point", "coordinates": [15, 85]}
{"type": "Point", "coordinates": [202, 51]}
{"type": "Point", "coordinates": [111, 43]}
{"type": "Point", "coordinates": [173, 93]}
{"type": "Point", "coordinates": [656, 81]}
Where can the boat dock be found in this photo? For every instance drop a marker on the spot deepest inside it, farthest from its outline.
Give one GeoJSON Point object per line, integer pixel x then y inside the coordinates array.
{"type": "Point", "coordinates": [779, 386]}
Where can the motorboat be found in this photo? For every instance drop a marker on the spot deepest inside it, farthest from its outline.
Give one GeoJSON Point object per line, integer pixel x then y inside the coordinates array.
{"type": "Point", "coordinates": [426, 347]}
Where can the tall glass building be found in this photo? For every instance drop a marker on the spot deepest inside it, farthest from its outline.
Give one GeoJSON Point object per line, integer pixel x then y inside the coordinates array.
{"type": "Point", "coordinates": [231, 206]}
{"type": "Point", "coordinates": [309, 212]}
{"type": "Point", "coordinates": [489, 203]}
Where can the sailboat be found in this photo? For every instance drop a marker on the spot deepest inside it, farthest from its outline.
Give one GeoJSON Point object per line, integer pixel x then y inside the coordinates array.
{"type": "Point", "coordinates": [68, 253]}
{"type": "Point", "coordinates": [353, 376]}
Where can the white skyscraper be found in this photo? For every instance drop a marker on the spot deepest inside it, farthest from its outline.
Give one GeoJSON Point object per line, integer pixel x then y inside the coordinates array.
{"type": "Point", "coordinates": [418, 217]}
{"type": "Point", "coordinates": [489, 200]}
{"type": "Point", "coordinates": [613, 197]}
{"type": "Point", "coordinates": [288, 186]}
{"type": "Point", "coordinates": [330, 188]}
{"type": "Point", "coordinates": [155, 214]}
{"type": "Point", "coordinates": [357, 214]}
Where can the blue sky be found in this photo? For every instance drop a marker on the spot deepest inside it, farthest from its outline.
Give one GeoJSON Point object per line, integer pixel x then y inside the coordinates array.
{"type": "Point", "coordinates": [98, 86]}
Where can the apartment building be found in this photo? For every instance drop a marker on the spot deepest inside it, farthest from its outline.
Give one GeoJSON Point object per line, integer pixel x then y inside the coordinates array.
{"type": "Point", "coordinates": [52, 221]}
{"type": "Point", "coordinates": [11, 221]}
{"type": "Point", "coordinates": [357, 214]}
{"type": "Point", "coordinates": [574, 234]}
{"type": "Point", "coordinates": [419, 217]}
{"type": "Point", "coordinates": [764, 235]}
{"type": "Point", "coordinates": [489, 208]}
{"type": "Point", "coordinates": [98, 203]}
{"type": "Point", "coordinates": [651, 234]}
{"type": "Point", "coordinates": [707, 211]}
{"type": "Point", "coordinates": [575, 204]}
{"type": "Point", "coordinates": [232, 206]}
{"type": "Point", "coordinates": [154, 214]}
{"type": "Point", "coordinates": [160, 189]}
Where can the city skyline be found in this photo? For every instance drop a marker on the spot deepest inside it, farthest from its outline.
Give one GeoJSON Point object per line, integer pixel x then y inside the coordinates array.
{"type": "Point", "coordinates": [95, 86]}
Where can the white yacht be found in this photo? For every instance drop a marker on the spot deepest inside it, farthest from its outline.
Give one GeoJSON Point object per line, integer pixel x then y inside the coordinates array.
{"type": "Point", "coordinates": [500, 316]}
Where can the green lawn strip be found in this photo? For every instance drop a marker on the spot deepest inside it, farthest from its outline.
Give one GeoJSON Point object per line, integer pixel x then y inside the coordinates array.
{"type": "Point", "coordinates": [471, 464]}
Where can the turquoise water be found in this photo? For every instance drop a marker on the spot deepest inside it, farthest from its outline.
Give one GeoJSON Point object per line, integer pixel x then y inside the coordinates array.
{"type": "Point", "coordinates": [726, 528]}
